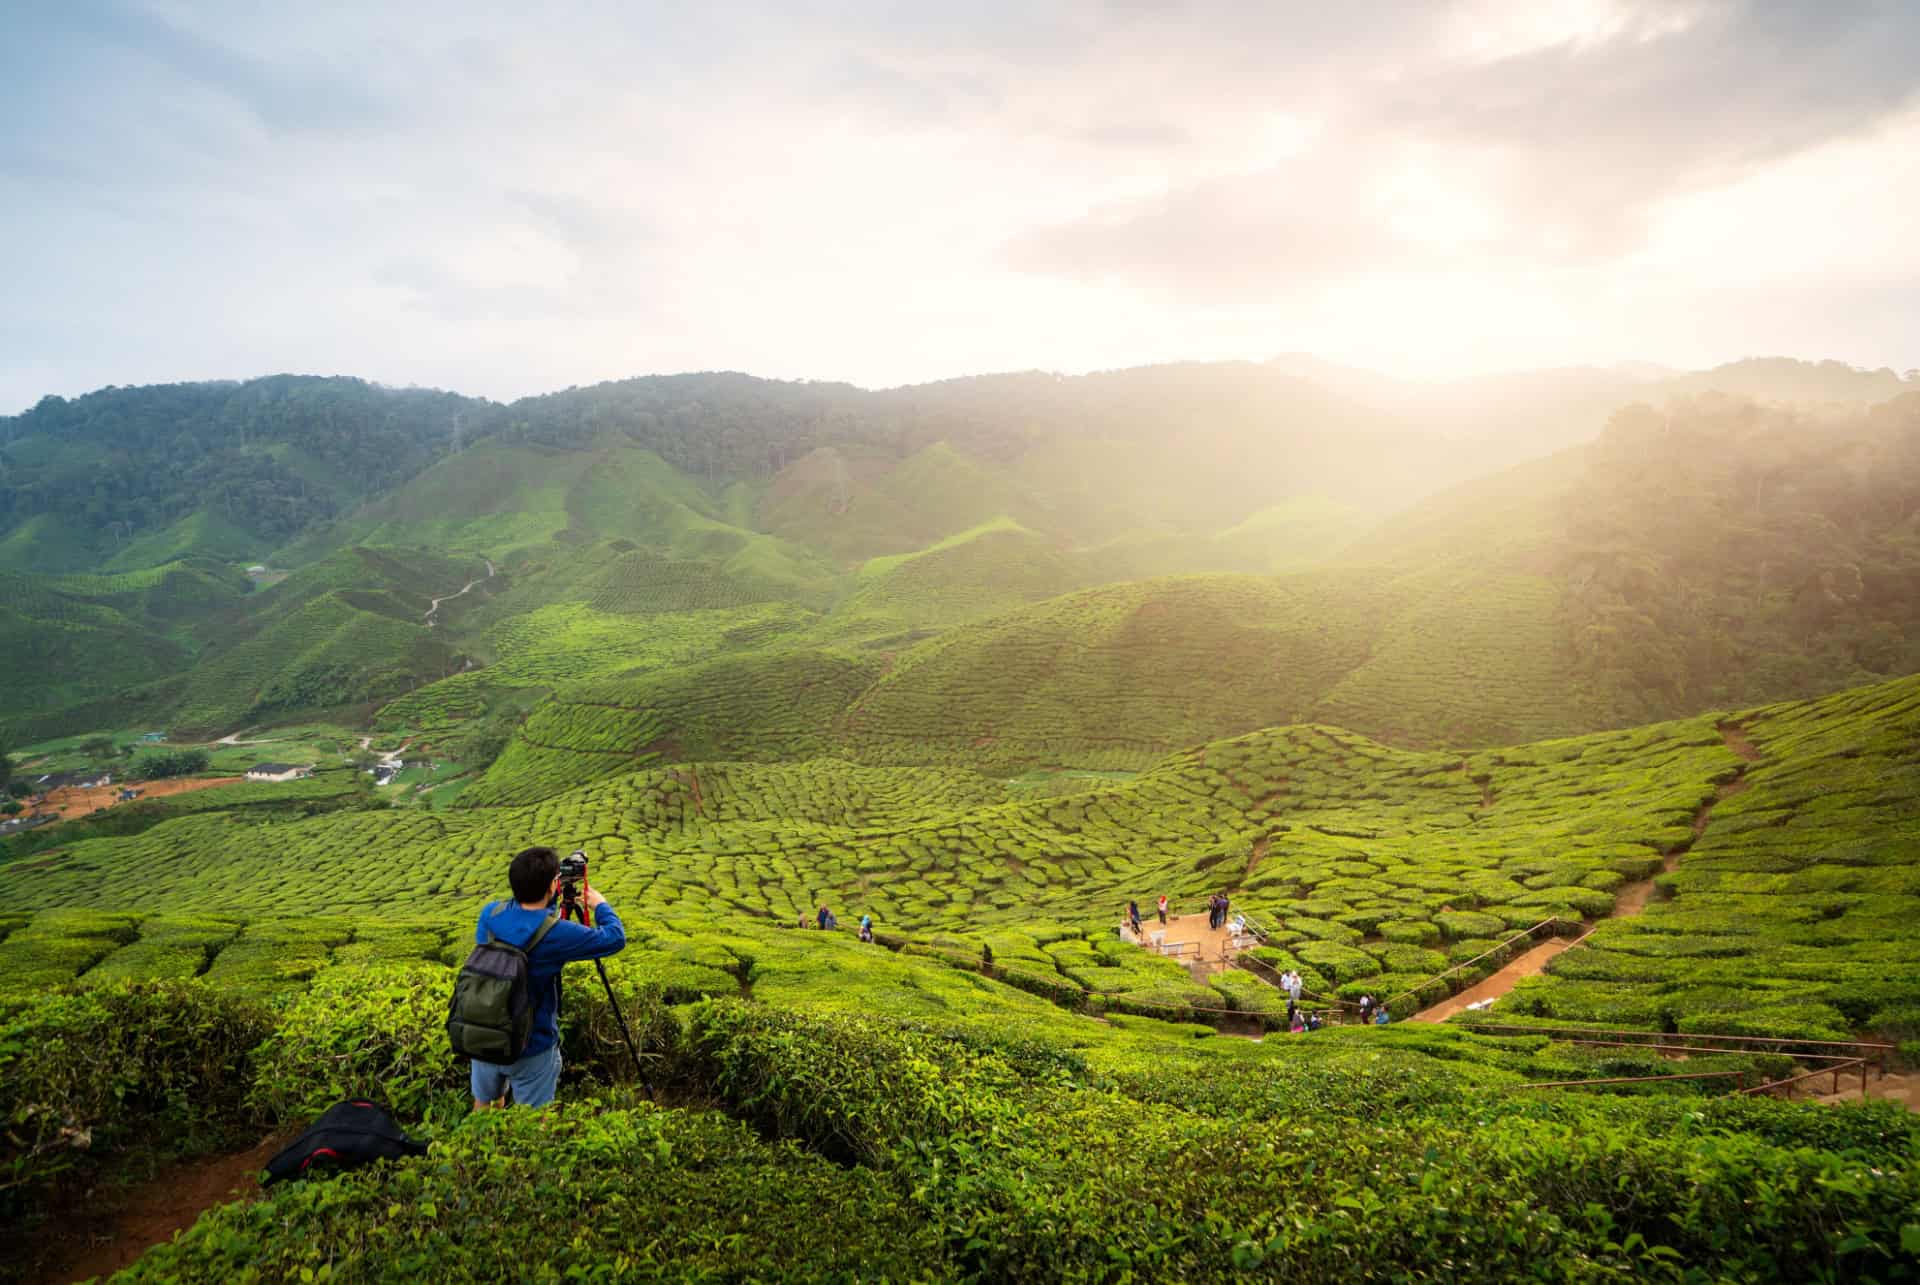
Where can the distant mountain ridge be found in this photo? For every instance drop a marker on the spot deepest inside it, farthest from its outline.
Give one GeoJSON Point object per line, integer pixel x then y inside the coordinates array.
{"type": "Point", "coordinates": [1531, 598]}
{"type": "Point", "coordinates": [132, 477]}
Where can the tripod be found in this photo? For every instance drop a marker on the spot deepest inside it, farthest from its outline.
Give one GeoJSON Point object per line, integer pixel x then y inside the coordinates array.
{"type": "Point", "coordinates": [573, 907]}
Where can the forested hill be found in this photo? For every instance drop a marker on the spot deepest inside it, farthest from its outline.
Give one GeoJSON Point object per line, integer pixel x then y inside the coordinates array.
{"type": "Point", "coordinates": [1707, 552]}
{"type": "Point", "coordinates": [947, 545]}
{"type": "Point", "coordinates": [130, 478]}
{"type": "Point", "coordinates": [135, 477]}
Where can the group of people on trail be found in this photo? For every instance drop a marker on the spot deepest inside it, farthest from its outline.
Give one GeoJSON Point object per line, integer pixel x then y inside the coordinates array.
{"type": "Point", "coordinates": [1217, 907]}
{"type": "Point", "coordinates": [1299, 1020]}
{"type": "Point", "coordinates": [1133, 913]}
{"type": "Point", "coordinates": [825, 920]}
{"type": "Point", "coordinates": [1372, 1014]}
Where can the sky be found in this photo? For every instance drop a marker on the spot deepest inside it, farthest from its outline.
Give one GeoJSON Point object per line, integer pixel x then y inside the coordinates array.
{"type": "Point", "coordinates": [507, 198]}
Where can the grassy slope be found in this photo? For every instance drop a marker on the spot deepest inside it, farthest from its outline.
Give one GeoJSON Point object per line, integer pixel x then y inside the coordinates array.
{"type": "Point", "coordinates": [1352, 851]}
{"type": "Point", "coordinates": [994, 1113]}
{"type": "Point", "coordinates": [1796, 908]}
{"type": "Point", "coordinates": [78, 638]}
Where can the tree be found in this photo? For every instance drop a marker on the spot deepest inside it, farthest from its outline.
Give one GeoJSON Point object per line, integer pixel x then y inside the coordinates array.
{"type": "Point", "coordinates": [98, 747]}
{"type": "Point", "coordinates": [162, 763]}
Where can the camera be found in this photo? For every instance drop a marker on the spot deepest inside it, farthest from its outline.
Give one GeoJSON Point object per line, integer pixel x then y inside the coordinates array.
{"type": "Point", "coordinates": [573, 873]}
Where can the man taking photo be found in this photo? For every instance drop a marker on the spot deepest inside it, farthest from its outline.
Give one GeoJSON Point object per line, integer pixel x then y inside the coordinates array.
{"type": "Point", "coordinates": [528, 922]}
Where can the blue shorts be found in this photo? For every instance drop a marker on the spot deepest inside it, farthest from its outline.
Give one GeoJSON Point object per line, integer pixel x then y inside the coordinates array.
{"type": "Point", "coordinates": [534, 1079]}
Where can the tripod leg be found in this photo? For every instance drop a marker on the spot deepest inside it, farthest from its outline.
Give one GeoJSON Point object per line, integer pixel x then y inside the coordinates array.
{"type": "Point", "coordinates": [620, 1017]}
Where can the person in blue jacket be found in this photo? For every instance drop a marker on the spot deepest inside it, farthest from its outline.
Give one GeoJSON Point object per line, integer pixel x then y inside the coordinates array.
{"type": "Point", "coordinates": [535, 878]}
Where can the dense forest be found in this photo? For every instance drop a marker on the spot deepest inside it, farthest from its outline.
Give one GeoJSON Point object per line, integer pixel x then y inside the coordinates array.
{"type": "Point", "coordinates": [1719, 551]}
{"type": "Point", "coordinates": [269, 456]}
{"type": "Point", "coordinates": [260, 463]}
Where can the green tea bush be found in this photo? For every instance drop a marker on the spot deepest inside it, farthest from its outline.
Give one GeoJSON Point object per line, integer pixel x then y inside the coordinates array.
{"type": "Point", "coordinates": [58, 946]}
{"type": "Point", "coordinates": [148, 1065]}
{"type": "Point", "coordinates": [851, 1088]}
{"type": "Point", "coordinates": [575, 1191]}
{"type": "Point", "coordinates": [376, 1033]}
{"type": "Point", "coordinates": [591, 1043]}
{"type": "Point", "coordinates": [170, 948]}
{"type": "Point", "coordinates": [1023, 1175]}
{"type": "Point", "coordinates": [1411, 932]}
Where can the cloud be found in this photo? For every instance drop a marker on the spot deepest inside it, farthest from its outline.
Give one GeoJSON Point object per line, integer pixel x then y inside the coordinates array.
{"type": "Point", "coordinates": [475, 195]}
{"type": "Point", "coordinates": [1543, 144]}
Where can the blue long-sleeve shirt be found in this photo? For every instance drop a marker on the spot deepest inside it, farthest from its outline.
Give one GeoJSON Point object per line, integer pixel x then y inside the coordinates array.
{"type": "Point", "coordinates": [565, 943]}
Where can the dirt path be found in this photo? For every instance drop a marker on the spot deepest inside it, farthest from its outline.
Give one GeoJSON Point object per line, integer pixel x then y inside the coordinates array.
{"type": "Point", "coordinates": [1736, 738]}
{"type": "Point", "coordinates": [1530, 964]}
{"type": "Point", "coordinates": [1256, 855]}
{"type": "Point", "coordinates": [1634, 897]}
{"type": "Point", "coordinates": [154, 1211]}
{"type": "Point", "coordinates": [233, 738]}
{"type": "Point", "coordinates": [71, 801]}
{"type": "Point", "coordinates": [1631, 899]}
{"type": "Point", "coordinates": [1898, 1086]}
{"type": "Point", "coordinates": [431, 611]}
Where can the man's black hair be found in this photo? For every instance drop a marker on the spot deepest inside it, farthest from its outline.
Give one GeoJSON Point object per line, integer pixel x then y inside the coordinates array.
{"type": "Point", "coordinates": [532, 872]}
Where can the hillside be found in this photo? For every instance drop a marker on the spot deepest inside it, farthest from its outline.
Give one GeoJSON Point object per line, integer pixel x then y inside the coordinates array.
{"type": "Point", "coordinates": [1001, 1053]}
{"type": "Point", "coordinates": [1371, 866]}
{"type": "Point", "coordinates": [1716, 552]}
{"type": "Point", "coordinates": [138, 476]}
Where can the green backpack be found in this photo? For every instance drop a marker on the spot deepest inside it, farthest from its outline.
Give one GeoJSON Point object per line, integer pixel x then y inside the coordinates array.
{"type": "Point", "coordinates": [491, 1014]}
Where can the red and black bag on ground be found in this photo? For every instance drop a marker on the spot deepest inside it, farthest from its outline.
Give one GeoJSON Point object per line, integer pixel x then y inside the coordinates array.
{"type": "Point", "coordinates": [348, 1135]}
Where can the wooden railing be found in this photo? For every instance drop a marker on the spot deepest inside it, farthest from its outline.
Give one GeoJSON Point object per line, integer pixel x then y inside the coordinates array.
{"type": "Point", "coordinates": [1840, 1068]}
{"type": "Point", "coordinates": [1738, 1077]}
{"type": "Point", "coordinates": [1871, 1050]}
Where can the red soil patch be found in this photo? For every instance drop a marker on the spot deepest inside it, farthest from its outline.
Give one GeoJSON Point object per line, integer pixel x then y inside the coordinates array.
{"type": "Point", "coordinates": [1633, 897]}
{"type": "Point", "coordinates": [154, 1211]}
{"type": "Point", "coordinates": [69, 802]}
{"type": "Point", "coordinates": [1257, 853]}
{"type": "Point", "coordinates": [1737, 741]}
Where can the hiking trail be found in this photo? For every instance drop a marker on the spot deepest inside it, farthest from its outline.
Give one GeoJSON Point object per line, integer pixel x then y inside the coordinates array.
{"type": "Point", "coordinates": [431, 611]}
{"type": "Point", "coordinates": [1629, 900]}
{"type": "Point", "coordinates": [153, 1211]}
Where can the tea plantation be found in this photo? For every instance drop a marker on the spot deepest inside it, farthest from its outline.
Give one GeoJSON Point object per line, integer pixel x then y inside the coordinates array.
{"type": "Point", "coordinates": [985, 688]}
{"type": "Point", "coordinates": [1002, 1088]}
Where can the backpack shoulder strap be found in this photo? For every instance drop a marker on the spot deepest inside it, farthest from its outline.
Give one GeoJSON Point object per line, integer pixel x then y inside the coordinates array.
{"type": "Point", "coordinates": [540, 934]}
{"type": "Point", "coordinates": [492, 908]}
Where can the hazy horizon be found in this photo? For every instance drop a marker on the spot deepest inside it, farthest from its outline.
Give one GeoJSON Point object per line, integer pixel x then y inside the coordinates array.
{"type": "Point", "coordinates": [463, 197]}
{"type": "Point", "coordinates": [1649, 372]}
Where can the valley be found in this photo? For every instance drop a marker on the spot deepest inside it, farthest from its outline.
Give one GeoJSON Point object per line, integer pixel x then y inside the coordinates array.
{"type": "Point", "coordinates": [1615, 739]}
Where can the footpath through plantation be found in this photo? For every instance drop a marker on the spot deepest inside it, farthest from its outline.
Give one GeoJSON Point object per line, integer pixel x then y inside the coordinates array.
{"type": "Point", "coordinates": [1001, 1087]}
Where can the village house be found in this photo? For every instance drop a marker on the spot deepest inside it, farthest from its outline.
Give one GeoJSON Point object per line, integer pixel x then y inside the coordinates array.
{"type": "Point", "coordinates": [278, 772]}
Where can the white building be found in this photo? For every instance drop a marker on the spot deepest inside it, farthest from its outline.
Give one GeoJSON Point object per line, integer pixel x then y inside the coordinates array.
{"type": "Point", "coordinates": [277, 772]}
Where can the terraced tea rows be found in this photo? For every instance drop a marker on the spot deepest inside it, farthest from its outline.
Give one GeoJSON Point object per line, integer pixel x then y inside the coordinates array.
{"type": "Point", "coordinates": [773, 704]}
{"type": "Point", "coordinates": [1373, 868]}
{"type": "Point", "coordinates": [1113, 669]}
{"type": "Point", "coordinates": [1477, 661]}
{"type": "Point", "coordinates": [569, 642]}
{"type": "Point", "coordinates": [1797, 908]}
